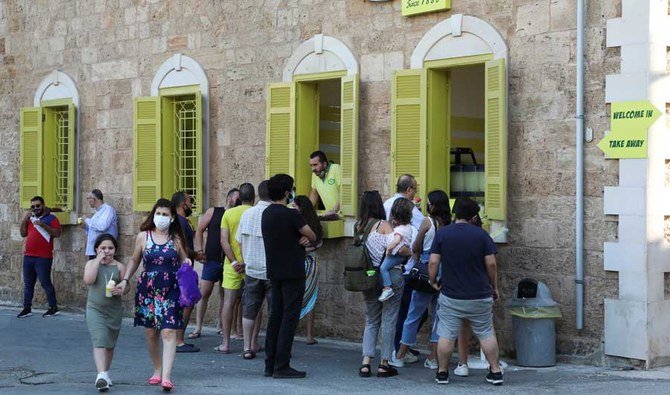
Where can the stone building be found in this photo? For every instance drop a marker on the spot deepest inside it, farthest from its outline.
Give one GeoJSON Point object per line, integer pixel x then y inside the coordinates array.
{"type": "Point", "coordinates": [142, 97]}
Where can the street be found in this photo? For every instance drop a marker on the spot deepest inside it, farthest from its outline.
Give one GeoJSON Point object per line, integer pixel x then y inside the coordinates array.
{"type": "Point", "coordinates": [54, 355]}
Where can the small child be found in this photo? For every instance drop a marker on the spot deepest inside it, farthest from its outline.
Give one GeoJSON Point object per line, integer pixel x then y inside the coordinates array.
{"type": "Point", "coordinates": [401, 217]}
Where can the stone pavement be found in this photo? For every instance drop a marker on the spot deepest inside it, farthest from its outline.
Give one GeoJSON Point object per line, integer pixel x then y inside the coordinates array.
{"type": "Point", "coordinates": [53, 355]}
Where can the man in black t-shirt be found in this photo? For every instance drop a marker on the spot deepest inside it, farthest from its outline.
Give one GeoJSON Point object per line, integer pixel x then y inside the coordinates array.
{"type": "Point", "coordinates": [284, 234]}
{"type": "Point", "coordinates": [469, 287]}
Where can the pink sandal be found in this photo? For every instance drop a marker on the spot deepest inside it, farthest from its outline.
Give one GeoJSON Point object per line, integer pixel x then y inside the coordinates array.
{"type": "Point", "coordinates": [167, 385]}
{"type": "Point", "coordinates": [154, 380]}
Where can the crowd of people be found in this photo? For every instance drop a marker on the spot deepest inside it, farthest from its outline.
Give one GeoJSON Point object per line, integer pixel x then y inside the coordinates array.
{"type": "Point", "coordinates": [261, 247]}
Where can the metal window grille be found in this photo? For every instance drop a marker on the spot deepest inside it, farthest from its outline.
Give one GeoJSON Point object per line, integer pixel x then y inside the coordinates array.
{"type": "Point", "coordinates": [185, 172]}
{"type": "Point", "coordinates": [62, 158]}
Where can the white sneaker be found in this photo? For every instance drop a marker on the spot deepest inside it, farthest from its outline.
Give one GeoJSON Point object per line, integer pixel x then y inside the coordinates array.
{"type": "Point", "coordinates": [430, 364]}
{"type": "Point", "coordinates": [462, 370]}
{"type": "Point", "coordinates": [387, 293]}
{"type": "Point", "coordinates": [109, 379]}
{"type": "Point", "coordinates": [101, 382]}
{"type": "Point", "coordinates": [398, 363]}
{"type": "Point", "coordinates": [410, 358]}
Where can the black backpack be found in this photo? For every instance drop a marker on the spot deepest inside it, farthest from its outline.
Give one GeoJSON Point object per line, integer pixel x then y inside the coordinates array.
{"type": "Point", "coordinates": [360, 275]}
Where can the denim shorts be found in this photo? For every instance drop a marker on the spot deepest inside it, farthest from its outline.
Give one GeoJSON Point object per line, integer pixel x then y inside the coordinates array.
{"type": "Point", "coordinates": [452, 312]}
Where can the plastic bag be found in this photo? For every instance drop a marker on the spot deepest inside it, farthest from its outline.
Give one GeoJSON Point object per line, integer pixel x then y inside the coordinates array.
{"type": "Point", "coordinates": [536, 312]}
{"type": "Point", "coordinates": [189, 293]}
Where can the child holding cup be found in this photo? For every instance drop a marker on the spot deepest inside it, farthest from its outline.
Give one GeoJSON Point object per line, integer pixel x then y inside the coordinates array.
{"type": "Point", "coordinates": [103, 305]}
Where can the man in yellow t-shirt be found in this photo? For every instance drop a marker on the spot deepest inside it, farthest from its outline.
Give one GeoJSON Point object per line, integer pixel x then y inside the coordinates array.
{"type": "Point", "coordinates": [326, 182]}
{"type": "Point", "coordinates": [233, 265]}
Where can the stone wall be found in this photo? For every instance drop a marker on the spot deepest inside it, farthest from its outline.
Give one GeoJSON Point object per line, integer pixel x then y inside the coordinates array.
{"type": "Point", "coordinates": [113, 49]}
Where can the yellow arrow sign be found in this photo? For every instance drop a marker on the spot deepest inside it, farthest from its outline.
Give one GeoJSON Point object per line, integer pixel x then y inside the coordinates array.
{"type": "Point", "coordinates": [629, 123]}
{"type": "Point", "coordinates": [633, 115]}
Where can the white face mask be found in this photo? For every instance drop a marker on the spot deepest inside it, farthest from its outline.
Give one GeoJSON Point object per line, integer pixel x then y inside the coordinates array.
{"type": "Point", "coordinates": [162, 222]}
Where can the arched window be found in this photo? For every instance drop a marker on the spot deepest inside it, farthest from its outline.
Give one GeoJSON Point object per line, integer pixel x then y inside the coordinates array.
{"type": "Point", "coordinates": [168, 129]}
{"type": "Point", "coordinates": [48, 142]}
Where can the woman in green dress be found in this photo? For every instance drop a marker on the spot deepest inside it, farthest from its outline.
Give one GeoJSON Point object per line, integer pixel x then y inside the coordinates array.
{"type": "Point", "coordinates": [103, 305]}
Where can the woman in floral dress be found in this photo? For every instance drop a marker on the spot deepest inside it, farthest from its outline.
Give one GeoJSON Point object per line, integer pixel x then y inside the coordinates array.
{"type": "Point", "coordinates": [160, 246]}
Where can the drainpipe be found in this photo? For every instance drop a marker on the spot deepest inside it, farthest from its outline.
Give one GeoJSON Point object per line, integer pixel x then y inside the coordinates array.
{"type": "Point", "coordinates": [579, 220]}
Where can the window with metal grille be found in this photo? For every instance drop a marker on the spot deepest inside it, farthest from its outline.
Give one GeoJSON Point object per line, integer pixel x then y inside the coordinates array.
{"type": "Point", "coordinates": [61, 158]}
{"type": "Point", "coordinates": [184, 134]}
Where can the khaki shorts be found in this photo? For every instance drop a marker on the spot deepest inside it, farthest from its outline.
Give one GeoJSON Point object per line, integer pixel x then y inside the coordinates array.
{"type": "Point", "coordinates": [231, 279]}
{"type": "Point", "coordinates": [255, 292]}
{"type": "Point", "coordinates": [452, 312]}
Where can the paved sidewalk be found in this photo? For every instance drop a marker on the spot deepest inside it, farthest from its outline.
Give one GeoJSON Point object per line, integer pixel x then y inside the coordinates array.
{"type": "Point", "coordinates": [53, 355]}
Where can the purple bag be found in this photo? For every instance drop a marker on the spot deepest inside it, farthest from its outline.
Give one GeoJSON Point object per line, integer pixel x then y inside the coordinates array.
{"type": "Point", "coordinates": [187, 279]}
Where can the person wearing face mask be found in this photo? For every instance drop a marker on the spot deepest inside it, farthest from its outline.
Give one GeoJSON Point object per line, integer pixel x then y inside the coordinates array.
{"type": "Point", "coordinates": [326, 183]}
{"type": "Point", "coordinates": [103, 221]}
{"type": "Point", "coordinates": [184, 205]}
{"type": "Point", "coordinates": [104, 308]}
{"type": "Point", "coordinates": [161, 247]}
{"type": "Point", "coordinates": [39, 228]}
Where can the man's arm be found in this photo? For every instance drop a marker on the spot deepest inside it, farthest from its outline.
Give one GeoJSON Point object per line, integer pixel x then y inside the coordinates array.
{"type": "Point", "coordinates": [314, 197]}
{"type": "Point", "coordinates": [203, 223]}
{"type": "Point", "coordinates": [492, 271]}
{"type": "Point", "coordinates": [23, 227]}
{"type": "Point", "coordinates": [307, 232]}
{"type": "Point", "coordinates": [225, 245]}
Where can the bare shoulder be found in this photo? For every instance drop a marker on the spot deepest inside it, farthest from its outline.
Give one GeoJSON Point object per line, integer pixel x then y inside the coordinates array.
{"type": "Point", "coordinates": [385, 227]}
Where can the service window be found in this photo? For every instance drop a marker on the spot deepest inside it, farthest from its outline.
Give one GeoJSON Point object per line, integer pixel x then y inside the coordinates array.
{"type": "Point", "coordinates": [315, 112]}
{"type": "Point", "coordinates": [449, 131]}
{"type": "Point", "coordinates": [167, 146]}
{"type": "Point", "coordinates": [47, 155]}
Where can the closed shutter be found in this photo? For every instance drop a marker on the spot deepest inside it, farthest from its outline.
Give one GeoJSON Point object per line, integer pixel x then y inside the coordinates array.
{"type": "Point", "coordinates": [280, 130]}
{"type": "Point", "coordinates": [30, 154]}
{"type": "Point", "coordinates": [408, 127]}
{"type": "Point", "coordinates": [496, 144]}
{"type": "Point", "coordinates": [147, 152]}
{"type": "Point", "coordinates": [349, 146]}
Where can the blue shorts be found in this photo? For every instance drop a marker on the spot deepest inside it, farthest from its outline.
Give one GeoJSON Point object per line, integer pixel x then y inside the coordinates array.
{"type": "Point", "coordinates": [212, 271]}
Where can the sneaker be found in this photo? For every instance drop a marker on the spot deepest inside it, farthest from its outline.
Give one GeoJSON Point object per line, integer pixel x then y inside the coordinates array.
{"type": "Point", "coordinates": [52, 312]}
{"type": "Point", "coordinates": [410, 358]}
{"type": "Point", "coordinates": [109, 379]}
{"type": "Point", "coordinates": [187, 348]}
{"type": "Point", "coordinates": [462, 370]}
{"type": "Point", "coordinates": [101, 382]}
{"type": "Point", "coordinates": [494, 378]}
{"type": "Point", "coordinates": [430, 364]}
{"type": "Point", "coordinates": [398, 363]}
{"type": "Point", "coordinates": [387, 293]}
{"type": "Point", "coordinates": [442, 377]}
{"type": "Point", "coordinates": [26, 312]}
{"type": "Point", "coordinates": [288, 373]}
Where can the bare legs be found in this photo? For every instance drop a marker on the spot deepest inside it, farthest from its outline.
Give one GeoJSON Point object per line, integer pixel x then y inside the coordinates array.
{"type": "Point", "coordinates": [154, 347]}
{"type": "Point", "coordinates": [103, 358]}
{"type": "Point", "coordinates": [309, 324]}
{"type": "Point", "coordinates": [490, 347]}
{"type": "Point", "coordinates": [230, 296]}
{"type": "Point", "coordinates": [180, 332]}
{"type": "Point", "coordinates": [251, 330]}
{"type": "Point", "coordinates": [206, 287]}
{"type": "Point", "coordinates": [162, 364]}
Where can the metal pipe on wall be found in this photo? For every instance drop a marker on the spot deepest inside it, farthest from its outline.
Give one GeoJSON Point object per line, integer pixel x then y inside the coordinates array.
{"type": "Point", "coordinates": [579, 191]}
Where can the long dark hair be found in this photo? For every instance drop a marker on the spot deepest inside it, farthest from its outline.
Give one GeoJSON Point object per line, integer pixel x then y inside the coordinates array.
{"type": "Point", "coordinates": [175, 230]}
{"type": "Point", "coordinates": [309, 214]}
{"type": "Point", "coordinates": [105, 237]}
{"type": "Point", "coordinates": [371, 207]}
{"type": "Point", "coordinates": [438, 208]}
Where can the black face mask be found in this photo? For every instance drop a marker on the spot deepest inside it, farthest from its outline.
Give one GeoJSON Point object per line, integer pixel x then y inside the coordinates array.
{"type": "Point", "coordinates": [188, 211]}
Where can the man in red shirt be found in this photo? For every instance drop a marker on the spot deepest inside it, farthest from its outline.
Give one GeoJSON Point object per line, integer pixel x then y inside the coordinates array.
{"type": "Point", "coordinates": [39, 227]}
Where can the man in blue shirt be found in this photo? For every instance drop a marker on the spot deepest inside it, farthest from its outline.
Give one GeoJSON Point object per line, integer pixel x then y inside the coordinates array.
{"type": "Point", "coordinates": [103, 221]}
{"type": "Point", "coordinates": [468, 289]}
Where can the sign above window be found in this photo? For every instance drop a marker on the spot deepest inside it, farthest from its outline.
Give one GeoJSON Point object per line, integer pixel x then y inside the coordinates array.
{"type": "Point", "coordinates": [414, 7]}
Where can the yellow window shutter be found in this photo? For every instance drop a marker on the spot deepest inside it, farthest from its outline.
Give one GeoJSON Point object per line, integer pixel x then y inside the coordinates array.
{"type": "Point", "coordinates": [439, 130]}
{"type": "Point", "coordinates": [306, 134]}
{"type": "Point", "coordinates": [199, 160]}
{"type": "Point", "coordinates": [71, 125]}
{"type": "Point", "coordinates": [408, 127]}
{"type": "Point", "coordinates": [496, 140]}
{"type": "Point", "coordinates": [147, 152]}
{"type": "Point", "coordinates": [30, 154]}
{"type": "Point", "coordinates": [280, 130]}
{"type": "Point", "coordinates": [349, 145]}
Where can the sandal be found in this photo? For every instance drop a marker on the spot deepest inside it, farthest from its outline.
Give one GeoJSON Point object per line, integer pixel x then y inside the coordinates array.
{"type": "Point", "coordinates": [249, 354]}
{"type": "Point", "coordinates": [167, 385]}
{"type": "Point", "coordinates": [154, 380]}
{"type": "Point", "coordinates": [387, 371]}
{"type": "Point", "coordinates": [363, 373]}
{"type": "Point", "coordinates": [194, 335]}
{"type": "Point", "coordinates": [221, 350]}
{"type": "Point", "coordinates": [312, 342]}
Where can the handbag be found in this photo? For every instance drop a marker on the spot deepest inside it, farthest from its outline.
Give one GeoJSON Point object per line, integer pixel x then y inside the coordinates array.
{"type": "Point", "coordinates": [419, 280]}
{"type": "Point", "coordinates": [189, 293]}
{"type": "Point", "coordinates": [360, 275]}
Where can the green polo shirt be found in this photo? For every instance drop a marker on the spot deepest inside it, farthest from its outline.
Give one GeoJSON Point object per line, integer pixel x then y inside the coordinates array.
{"type": "Point", "coordinates": [329, 187]}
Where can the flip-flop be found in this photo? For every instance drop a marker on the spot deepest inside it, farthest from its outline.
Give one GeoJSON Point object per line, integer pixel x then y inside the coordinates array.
{"type": "Point", "coordinates": [167, 385]}
{"type": "Point", "coordinates": [312, 342]}
{"type": "Point", "coordinates": [259, 349]}
{"type": "Point", "coordinates": [221, 350]}
{"type": "Point", "coordinates": [154, 380]}
{"type": "Point", "coordinates": [194, 335]}
{"type": "Point", "coordinates": [249, 354]}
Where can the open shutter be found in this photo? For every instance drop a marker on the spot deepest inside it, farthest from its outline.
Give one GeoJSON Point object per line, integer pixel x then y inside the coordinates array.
{"type": "Point", "coordinates": [349, 145]}
{"type": "Point", "coordinates": [147, 151]}
{"type": "Point", "coordinates": [496, 140]}
{"type": "Point", "coordinates": [30, 154]}
{"type": "Point", "coordinates": [280, 130]}
{"type": "Point", "coordinates": [408, 127]}
{"type": "Point", "coordinates": [199, 160]}
{"type": "Point", "coordinates": [71, 159]}
{"type": "Point", "coordinates": [438, 142]}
